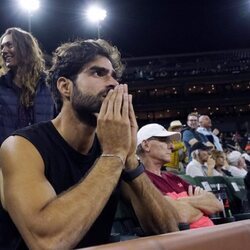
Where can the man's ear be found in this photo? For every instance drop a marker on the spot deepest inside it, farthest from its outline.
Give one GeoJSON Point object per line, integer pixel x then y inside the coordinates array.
{"type": "Point", "coordinates": [64, 85]}
{"type": "Point", "coordinates": [145, 145]}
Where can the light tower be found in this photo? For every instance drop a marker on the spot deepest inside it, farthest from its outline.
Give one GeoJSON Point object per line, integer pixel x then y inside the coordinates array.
{"type": "Point", "coordinates": [30, 6]}
{"type": "Point", "coordinates": [96, 14]}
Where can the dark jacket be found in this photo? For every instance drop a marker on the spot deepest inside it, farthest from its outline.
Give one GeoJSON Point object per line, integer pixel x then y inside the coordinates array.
{"type": "Point", "coordinates": [42, 110]}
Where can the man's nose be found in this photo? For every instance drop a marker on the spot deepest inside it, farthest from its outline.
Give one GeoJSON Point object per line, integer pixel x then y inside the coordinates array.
{"type": "Point", "coordinates": [170, 145]}
{"type": "Point", "coordinates": [112, 81]}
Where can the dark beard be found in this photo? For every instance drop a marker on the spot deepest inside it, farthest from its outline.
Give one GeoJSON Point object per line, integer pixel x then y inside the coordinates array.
{"type": "Point", "coordinates": [86, 106]}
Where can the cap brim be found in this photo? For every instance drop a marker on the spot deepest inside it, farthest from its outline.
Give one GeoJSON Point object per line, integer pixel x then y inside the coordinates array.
{"type": "Point", "coordinates": [172, 135]}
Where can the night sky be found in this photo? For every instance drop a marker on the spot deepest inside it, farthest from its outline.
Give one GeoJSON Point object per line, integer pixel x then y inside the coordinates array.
{"type": "Point", "coordinates": [140, 27]}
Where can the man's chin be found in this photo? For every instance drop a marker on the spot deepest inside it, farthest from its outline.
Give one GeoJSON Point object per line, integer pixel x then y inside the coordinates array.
{"type": "Point", "coordinates": [167, 159]}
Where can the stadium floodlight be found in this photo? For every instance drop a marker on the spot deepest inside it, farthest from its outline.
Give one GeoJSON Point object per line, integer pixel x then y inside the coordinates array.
{"type": "Point", "coordinates": [30, 6]}
{"type": "Point", "coordinates": [96, 14]}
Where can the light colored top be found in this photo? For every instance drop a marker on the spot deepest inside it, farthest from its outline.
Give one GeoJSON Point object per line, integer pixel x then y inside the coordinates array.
{"type": "Point", "coordinates": [237, 172]}
{"type": "Point", "coordinates": [195, 168]}
{"type": "Point", "coordinates": [206, 132]}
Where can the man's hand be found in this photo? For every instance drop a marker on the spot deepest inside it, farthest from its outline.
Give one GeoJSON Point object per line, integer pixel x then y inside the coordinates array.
{"type": "Point", "coordinates": [132, 161]}
{"type": "Point", "coordinates": [210, 166]}
{"type": "Point", "coordinates": [113, 124]}
{"type": "Point", "coordinates": [216, 131]}
{"type": "Point", "coordinates": [186, 212]}
{"type": "Point", "coordinates": [195, 191]}
{"type": "Point", "coordinates": [202, 200]}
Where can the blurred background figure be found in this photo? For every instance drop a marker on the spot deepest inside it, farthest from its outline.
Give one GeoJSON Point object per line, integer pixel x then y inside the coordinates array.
{"type": "Point", "coordinates": [246, 155]}
{"type": "Point", "coordinates": [201, 164]}
{"type": "Point", "coordinates": [237, 164]}
{"type": "Point", "coordinates": [24, 96]}
{"type": "Point", "coordinates": [179, 158]}
{"type": "Point", "coordinates": [190, 135]}
{"type": "Point", "coordinates": [220, 168]}
{"type": "Point", "coordinates": [206, 129]}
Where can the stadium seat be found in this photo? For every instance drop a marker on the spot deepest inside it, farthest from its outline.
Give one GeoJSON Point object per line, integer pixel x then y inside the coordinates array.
{"type": "Point", "coordinates": [239, 203]}
{"type": "Point", "coordinates": [125, 225]}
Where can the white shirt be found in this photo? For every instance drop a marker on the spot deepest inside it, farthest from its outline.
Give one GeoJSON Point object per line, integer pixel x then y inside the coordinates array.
{"type": "Point", "coordinates": [195, 168]}
{"type": "Point", "coordinates": [205, 132]}
{"type": "Point", "coordinates": [237, 172]}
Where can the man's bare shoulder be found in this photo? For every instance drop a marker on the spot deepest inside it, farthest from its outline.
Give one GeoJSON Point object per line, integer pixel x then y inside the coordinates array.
{"type": "Point", "coordinates": [17, 151]}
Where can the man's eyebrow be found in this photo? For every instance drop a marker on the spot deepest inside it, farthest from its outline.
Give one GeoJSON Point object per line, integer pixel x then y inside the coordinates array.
{"type": "Point", "coordinates": [97, 68]}
{"type": "Point", "coordinates": [102, 69]}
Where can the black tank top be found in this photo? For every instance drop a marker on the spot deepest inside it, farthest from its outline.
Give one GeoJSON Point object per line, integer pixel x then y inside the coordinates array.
{"type": "Point", "coordinates": [64, 167]}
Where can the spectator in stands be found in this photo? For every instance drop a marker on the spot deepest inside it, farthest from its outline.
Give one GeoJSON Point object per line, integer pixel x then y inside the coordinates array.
{"type": "Point", "coordinates": [178, 156]}
{"type": "Point", "coordinates": [247, 184]}
{"type": "Point", "coordinates": [154, 148]}
{"type": "Point", "coordinates": [237, 164]}
{"type": "Point", "coordinates": [190, 136]}
{"type": "Point", "coordinates": [24, 96]}
{"type": "Point", "coordinates": [246, 155]}
{"type": "Point", "coordinates": [202, 163]}
{"type": "Point", "coordinates": [53, 170]}
{"type": "Point", "coordinates": [220, 168]}
{"type": "Point", "coordinates": [205, 129]}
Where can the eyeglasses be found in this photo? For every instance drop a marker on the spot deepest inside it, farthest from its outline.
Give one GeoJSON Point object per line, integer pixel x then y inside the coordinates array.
{"type": "Point", "coordinates": [193, 120]}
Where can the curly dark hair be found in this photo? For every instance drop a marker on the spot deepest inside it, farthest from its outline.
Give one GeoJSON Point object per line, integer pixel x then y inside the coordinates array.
{"type": "Point", "coordinates": [30, 61]}
{"type": "Point", "coordinates": [70, 59]}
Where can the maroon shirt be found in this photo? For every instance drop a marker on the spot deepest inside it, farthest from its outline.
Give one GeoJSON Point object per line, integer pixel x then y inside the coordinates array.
{"type": "Point", "coordinates": [168, 182]}
{"type": "Point", "coordinates": [175, 187]}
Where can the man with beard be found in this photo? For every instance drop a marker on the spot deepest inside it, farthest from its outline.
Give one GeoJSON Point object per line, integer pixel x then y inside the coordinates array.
{"type": "Point", "coordinates": [62, 177]}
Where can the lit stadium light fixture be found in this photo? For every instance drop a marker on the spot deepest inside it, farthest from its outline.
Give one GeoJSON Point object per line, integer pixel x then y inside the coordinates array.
{"type": "Point", "coordinates": [30, 6]}
{"type": "Point", "coordinates": [96, 14]}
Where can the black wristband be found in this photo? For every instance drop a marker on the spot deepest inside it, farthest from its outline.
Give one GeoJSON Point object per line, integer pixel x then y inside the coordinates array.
{"type": "Point", "coordinates": [132, 174]}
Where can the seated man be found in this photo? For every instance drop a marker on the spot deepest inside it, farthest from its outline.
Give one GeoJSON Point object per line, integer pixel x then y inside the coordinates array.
{"type": "Point", "coordinates": [237, 165]}
{"type": "Point", "coordinates": [202, 163]}
{"type": "Point", "coordinates": [154, 149]}
{"type": "Point", "coordinates": [62, 177]}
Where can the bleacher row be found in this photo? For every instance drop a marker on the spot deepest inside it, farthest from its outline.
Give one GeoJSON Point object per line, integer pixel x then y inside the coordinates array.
{"type": "Point", "coordinates": [228, 189]}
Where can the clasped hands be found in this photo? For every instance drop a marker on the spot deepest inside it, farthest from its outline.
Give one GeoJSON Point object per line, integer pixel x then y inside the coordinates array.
{"type": "Point", "coordinates": [117, 126]}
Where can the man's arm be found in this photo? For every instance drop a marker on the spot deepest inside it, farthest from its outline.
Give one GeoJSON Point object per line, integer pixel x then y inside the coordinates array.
{"type": "Point", "coordinates": [188, 138]}
{"type": "Point", "coordinates": [155, 214]}
{"type": "Point", "coordinates": [203, 200]}
{"type": "Point", "coordinates": [1, 189]}
{"type": "Point", "coordinates": [44, 219]}
{"type": "Point", "coordinates": [210, 166]}
{"type": "Point", "coordinates": [50, 221]}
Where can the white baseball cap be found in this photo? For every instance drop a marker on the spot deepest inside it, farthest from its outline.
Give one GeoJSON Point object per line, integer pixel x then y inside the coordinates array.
{"type": "Point", "coordinates": [154, 129]}
{"type": "Point", "coordinates": [233, 157]}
